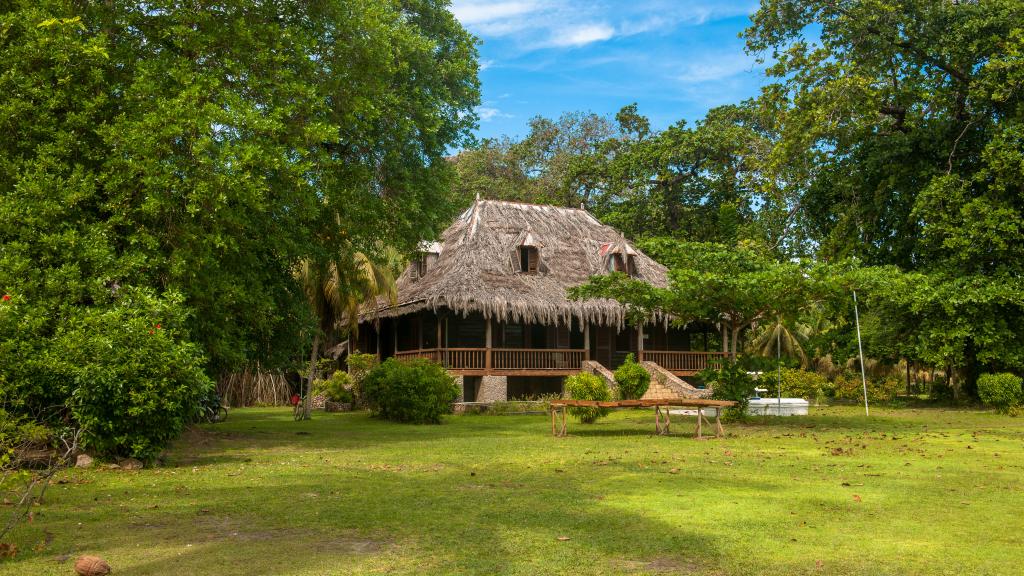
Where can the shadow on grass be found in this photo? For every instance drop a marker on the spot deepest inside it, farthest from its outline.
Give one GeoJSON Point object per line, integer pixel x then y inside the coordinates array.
{"type": "Point", "coordinates": [448, 522]}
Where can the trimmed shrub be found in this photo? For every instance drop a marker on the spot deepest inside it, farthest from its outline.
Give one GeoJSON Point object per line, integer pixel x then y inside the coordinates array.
{"type": "Point", "coordinates": [631, 379]}
{"type": "Point", "coordinates": [730, 382]}
{"type": "Point", "coordinates": [848, 386]}
{"type": "Point", "coordinates": [586, 386]}
{"type": "Point", "coordinates": [337, 388]}
{"type": "Point", "coordinates": [1001, 391]}
{"type": "Point", "coordinates": [796, 383]}
{"type": "Point", "coordinates": [416, 391]}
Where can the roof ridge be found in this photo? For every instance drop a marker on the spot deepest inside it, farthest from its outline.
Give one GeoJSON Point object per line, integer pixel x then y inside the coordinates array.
{"type": "Point", "coordinates": [520, 203]}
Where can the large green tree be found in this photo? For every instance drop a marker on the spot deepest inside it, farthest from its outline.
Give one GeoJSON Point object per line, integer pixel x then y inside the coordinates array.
{"type": "Point", "coordinates": [536, 168]}
{"type": "Point", "coordinates": [204, 149]}
{"type": "Point", "coordinates": [910, 117]}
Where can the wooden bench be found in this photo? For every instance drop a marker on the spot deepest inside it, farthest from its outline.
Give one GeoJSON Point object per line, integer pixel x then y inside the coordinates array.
{"type": "Point", "coordinates": [662, 422]}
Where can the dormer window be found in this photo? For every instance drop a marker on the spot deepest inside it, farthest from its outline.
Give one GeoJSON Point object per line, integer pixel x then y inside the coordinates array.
{"type": "Point", "coordinates": [529, 259]}
{"type": "Point", "coordinates": [625, 263]}
{"type": "Point", "coordinates": [430, 252]}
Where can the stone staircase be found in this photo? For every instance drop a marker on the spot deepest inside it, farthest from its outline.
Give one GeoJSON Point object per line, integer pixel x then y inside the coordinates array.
{"type": "Point", "coordinates": [665, 384]}
{"type": "Point", "coordinates": [592, 367]}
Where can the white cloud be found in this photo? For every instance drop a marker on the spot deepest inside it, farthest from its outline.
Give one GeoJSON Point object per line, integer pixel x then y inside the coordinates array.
{"type": "Point", "coordinates": [488, 113]}
{"type": "Point", "coordinates": [538, 24]}
{"type": "Point", "coordinates": [581, 35]}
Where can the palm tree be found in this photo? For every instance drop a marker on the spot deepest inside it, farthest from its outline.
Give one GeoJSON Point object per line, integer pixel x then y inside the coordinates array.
{"type": "Point", "coordinates": [780, 338]}
{"type": "Point", "coordinates": [337, 289]}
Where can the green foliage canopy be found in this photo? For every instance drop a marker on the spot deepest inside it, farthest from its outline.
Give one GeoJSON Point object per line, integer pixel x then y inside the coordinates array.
{"type": "Point", "coordinates": [198, 153]}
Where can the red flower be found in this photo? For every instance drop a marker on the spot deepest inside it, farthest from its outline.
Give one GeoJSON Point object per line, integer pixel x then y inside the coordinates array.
{"type": "Point", "coordinates": [158, 326]}
{"type": "Point", "coordinates": [7, 297]}
{"type": "Point", "coordinates": [150, 331]}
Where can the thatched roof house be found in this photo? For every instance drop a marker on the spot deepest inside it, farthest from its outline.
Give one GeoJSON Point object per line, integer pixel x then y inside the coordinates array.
{"type": "Point", "coordinates": [477, 266]}
{"type": "Point", "coordinates": [489, 301]}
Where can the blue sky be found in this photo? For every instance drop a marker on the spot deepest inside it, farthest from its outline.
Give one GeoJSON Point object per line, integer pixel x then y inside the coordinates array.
{"type": "Point", "coordinates": [676, 59]}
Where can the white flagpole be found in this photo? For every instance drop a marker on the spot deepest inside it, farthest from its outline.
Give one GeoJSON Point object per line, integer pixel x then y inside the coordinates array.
{"type": "Point", "coordinates": [778, 350]}
{"type": "Point", "coordinates": [860, 348]}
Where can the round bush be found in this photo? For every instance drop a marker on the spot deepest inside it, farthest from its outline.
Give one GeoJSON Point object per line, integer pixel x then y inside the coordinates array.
{"type": "Point", "coordinates": [1001, 391]}
{"type": "Point", "coordinates": [416, 391]}
{"type": "Point", "coordinates": [135, 380]}
{"type": "Point", "coordinates": [631, 379]}
{"type": "Point", "coordinates": [585, 386]}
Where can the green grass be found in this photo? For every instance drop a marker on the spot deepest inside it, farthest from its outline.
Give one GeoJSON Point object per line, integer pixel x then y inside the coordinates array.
{"type": "Point", "coordinates": [924, 491]}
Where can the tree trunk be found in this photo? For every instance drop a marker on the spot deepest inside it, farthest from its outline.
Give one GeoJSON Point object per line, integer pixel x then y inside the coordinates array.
{"type": "Point", "coordinates": [951, 384]}
{"type": "Point", "coordinates": [908, 377]}
{"type": "Point", "coordinates": [735, 340]}
{"type": "Point", "coordinates": [970, 370]}
{"type": "Point", "coordinates": [307, 402]}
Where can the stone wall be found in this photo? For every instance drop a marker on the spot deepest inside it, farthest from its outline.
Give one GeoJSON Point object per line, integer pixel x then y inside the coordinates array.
{"type": "Point", "coordinates": [493, 389]}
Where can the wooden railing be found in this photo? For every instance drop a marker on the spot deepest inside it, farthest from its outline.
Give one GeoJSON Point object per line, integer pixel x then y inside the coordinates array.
{"type": "Point", "coordinates": [429, 353]}
{"type": "Point", "coordinates": [465, 358]}
{"type": "Point", "coordinates": [532, 359]}
{"type": "Point", "coordinates": [551, 360]}
{"type": "Point", "coordinates": [502, 359]}
{"type": "Point", "coordinates": [683, 361]}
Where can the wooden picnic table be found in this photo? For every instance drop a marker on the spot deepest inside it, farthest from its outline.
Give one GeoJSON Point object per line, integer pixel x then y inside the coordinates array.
{"type": "Point", "coordinates": [662, 422]}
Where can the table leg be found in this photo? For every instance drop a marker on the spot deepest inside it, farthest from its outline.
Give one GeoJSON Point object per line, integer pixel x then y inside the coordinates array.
{"type": "Point", "coordinates": [700, 416]}
{"type": "Point", "coordinates": [718, 423]}
{"type": "Point", "coordinates": [553, 409]}
{"type": "Point", "coordinates": [668, 420]}
{"type": "Point", "coordinates": [657, 420]}
{"type": "Point", "coordinates": [564, 418]}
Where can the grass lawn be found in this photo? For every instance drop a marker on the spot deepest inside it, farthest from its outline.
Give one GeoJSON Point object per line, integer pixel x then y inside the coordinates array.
{"type": "Point", "coordinates": [907, 491]}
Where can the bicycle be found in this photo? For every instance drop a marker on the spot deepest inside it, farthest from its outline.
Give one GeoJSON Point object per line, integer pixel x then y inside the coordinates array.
{"type": "Point", "coordinates": [299, 405]}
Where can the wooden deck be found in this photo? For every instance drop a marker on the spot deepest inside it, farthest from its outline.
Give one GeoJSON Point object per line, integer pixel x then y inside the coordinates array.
{"type": "Point", "coordinates": [549, 362]}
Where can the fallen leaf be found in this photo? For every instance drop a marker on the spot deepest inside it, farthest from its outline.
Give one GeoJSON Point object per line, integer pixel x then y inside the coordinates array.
{"type": "Point", "coordinates": [856, 498]}
{"type": "Point", "coordinates": [562, 538]}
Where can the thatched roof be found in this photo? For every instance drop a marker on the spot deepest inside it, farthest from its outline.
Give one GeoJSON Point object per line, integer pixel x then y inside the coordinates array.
{"type": "Point", "coordinates": [477, 266]}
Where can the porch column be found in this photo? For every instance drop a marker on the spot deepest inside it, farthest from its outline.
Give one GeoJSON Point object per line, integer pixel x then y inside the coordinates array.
{"type": "Point", "coordinates": [487, 354]}
{"type": "Point", "coordinates": [586, 341]}
{"type": "Point", "coordinates": [640, 343]}
{"type": "Point", "coordinates": [419, 331]}
{"type": "Point", "coordinates": [440, 345]}
{"type": "Point", "coordinates": [394, 333]}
